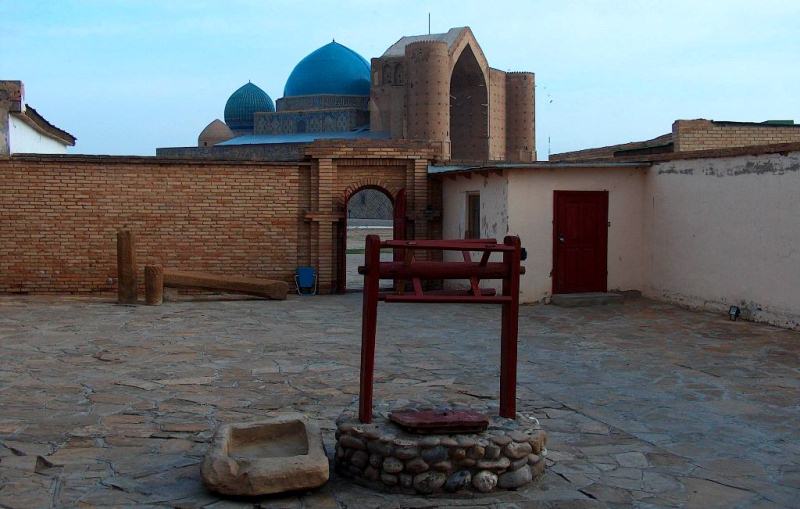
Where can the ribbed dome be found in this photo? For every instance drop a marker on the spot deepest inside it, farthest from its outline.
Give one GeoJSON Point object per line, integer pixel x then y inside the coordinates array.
{"type": "Point", "coordinates": [215, 132]}
{"type": "Point", "coordinates": [243, 103]}
{"type": "Point", "coordinates": [332, 69]}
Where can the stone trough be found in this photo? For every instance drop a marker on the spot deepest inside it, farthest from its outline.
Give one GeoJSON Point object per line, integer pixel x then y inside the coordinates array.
{"type": "Point", "coordinates": [383, 456]}
{"type": "Point", "coordinates": [284, 453]}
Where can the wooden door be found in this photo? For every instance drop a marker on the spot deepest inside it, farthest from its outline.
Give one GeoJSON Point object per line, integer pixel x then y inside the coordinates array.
{"type": "Point", "coordinates": [580, 241]}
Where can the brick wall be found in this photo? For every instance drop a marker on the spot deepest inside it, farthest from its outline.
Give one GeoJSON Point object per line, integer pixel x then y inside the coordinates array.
{"type": "Point", "coordinates": [704, 134]}
{"type": "Point", "coordinates": [59, 214]}
{"type": "Point", "coordinates": [59, 218]}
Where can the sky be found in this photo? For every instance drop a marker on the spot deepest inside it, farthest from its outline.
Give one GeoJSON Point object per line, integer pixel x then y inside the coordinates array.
{"type": "Point", "coordinates": [126, 77]}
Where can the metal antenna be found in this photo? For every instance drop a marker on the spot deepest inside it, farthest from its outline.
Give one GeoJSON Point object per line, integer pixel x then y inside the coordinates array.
{"type": "Point", "coordinates": [429, 23]}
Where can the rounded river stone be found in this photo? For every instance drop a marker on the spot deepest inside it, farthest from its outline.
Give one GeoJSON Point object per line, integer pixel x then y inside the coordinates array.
{"type": "Point", "coordinates": [500, 463]}
{"type": "Point", "coordinates": [484, 481]}
{"type": "Point", "coordinates": [517, 450]}
{"type": "Point", "coordinates": [515, 478]}
{"type": "Point", "coordinates": [501, 440]}
{"type": "Point", "coordinates": [429, 482]}
{"type": "Point", "coordinates": [406, 453]}
{"type": "Point", "coordinates": [492, 451]}
{"type": "Point", "coordinates": [435, 455]}
{"type": "Point", "coordinates": [359, 459]}
{"type": "Point", "coordinates": [392, 465]}
{"type": "Point", "coordinates": [416, 466]}
{"type": "Point", "coordinates": [352, 442]}
{"type": "Point", "coordinates": [378, 447]}
{"type": "Point", "coordinates": [476, 452]}
{"type": "Point", "coordinates": [429, 442]}
{"type": "Point", "coordinates": [458, 481]}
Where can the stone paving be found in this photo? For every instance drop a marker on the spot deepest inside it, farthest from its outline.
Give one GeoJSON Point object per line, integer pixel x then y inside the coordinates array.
{"type": "Point", "coordinates": [645, 404]}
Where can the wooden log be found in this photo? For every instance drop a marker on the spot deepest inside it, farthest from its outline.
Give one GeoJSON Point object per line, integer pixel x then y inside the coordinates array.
{"type": "Point", "coordinates": [153, 285]}
{"type": "Point", "coordinates": [127, 283]}
{"type": "Point", "coordinates": [270, 289]}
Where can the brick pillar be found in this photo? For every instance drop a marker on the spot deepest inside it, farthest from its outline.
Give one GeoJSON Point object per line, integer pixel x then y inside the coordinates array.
{"type": "Point", "coordinates": [326, 182]}
{"type": "Point", "coordinates": [420, 175]}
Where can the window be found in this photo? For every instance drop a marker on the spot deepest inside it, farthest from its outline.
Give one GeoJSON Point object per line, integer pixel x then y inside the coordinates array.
{"type": "Point", "coordinates": [473, 216]}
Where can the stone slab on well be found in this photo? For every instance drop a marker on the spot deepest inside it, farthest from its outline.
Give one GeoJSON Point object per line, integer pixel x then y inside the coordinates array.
{"type": "Point", "coordinates": [439, 422]}
{"type": "Point", "coordinates": [383, 456]}
{"type": "Point", "coordinates": [586, 299]}
{"type": "Point", "coordinates": [281, 454]}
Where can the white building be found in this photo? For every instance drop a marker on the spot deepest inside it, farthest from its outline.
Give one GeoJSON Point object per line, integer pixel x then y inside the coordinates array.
{"type": "Point", "coordinates": [23, 129]}
{"type": "Point", "coordinates": [706, 229]}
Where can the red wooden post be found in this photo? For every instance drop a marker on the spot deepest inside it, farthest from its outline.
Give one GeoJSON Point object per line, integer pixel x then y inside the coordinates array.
{"type": "Point", "coordinates": [369, 324]}
{"type": "Point", "coordinates": [508, 341]}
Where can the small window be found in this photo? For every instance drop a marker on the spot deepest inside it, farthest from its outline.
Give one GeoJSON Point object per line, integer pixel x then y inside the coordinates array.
{"type": "Point", "coordinates": [473, 216]}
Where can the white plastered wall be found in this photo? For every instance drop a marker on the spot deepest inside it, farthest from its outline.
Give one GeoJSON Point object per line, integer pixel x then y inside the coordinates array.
{"type": "Point", "coordinates": [726, 231]}
{"type": "Point", "coordinates": [493, 191]}
{"type": "Point", "coordinates": [530, 205]}
{"type": "Point", "coordinates": [520, 202]}
{"type": "Point", "coordinates": [24, 139]}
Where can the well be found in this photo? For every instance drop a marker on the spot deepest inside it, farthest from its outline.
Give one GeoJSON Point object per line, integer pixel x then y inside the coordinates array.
{"type": "Point", "coordinates": [380, 455]}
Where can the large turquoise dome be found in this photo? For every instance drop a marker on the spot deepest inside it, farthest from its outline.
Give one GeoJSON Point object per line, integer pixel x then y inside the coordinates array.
{"type": "Point", "coordinates": [243, 104]}
{"type": "Point", "coordinates": [332, 69]}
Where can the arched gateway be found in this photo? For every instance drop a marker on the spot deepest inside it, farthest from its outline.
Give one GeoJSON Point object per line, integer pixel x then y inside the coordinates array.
{"type": "Point", "coordinates": [340, 170]}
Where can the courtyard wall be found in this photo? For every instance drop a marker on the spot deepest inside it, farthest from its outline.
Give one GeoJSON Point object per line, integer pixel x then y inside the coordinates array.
{"type": "Point", "coordinates": [725, 231]}
{"type": "Point", "coordinates": [60, 214]}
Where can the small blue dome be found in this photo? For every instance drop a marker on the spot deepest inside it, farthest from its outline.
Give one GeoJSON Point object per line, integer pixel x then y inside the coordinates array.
{"type": "Point", "coordinates": [243, 104]}
{"type": "Point", "coordinates": [332, 69]}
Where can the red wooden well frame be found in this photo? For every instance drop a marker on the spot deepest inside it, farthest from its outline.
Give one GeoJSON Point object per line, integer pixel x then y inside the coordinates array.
{"type": "Point", "coordinates": [405, 268]}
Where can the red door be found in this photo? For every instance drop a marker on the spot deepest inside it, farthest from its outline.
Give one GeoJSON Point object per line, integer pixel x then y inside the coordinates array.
{"type": "Point", "coordinates": [580, 241]}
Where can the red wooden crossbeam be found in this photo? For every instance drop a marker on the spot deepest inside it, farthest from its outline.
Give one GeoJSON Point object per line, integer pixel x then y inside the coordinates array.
{"type": "Point", "coordinates": [405, 268]}
{"type": "Point", "coordinates": [448, 245]}
{"type": "Point", "coordinates": [438, 270]}
{"type": "Point", "coordinates": [447, 299]}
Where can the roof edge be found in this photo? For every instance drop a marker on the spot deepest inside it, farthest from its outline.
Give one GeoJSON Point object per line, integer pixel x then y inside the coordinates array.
{"type": "Point", "coordinates": [776, 148]}
{"type": "Point", "coordinates": [33, 118]}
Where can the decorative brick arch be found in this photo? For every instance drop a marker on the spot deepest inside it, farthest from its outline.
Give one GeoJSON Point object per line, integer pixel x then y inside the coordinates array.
{"type": "Point", "coordinates": [366, 183]}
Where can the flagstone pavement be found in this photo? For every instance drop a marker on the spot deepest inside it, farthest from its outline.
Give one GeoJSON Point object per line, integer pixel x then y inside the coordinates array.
{"type": "Point", "coordinates": [645, 404]}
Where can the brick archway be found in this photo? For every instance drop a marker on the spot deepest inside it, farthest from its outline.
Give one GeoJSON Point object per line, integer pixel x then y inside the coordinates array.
{"type": "Point", "coordinates": [338, 170]}
{"type": "Point", "coordinates": [360, 185]}
{"type": "Point", "coordinates": [341, 204]}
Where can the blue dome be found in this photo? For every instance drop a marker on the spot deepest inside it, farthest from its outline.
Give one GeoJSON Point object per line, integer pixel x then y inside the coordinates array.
{"type": "Point", "coordinates": [332, 69]}
{"type": "Point", "coordinates": [243, 103]}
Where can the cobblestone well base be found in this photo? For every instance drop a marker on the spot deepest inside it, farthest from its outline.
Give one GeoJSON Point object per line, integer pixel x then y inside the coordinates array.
{"type": "Point", "coordinates": [380, 455]}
